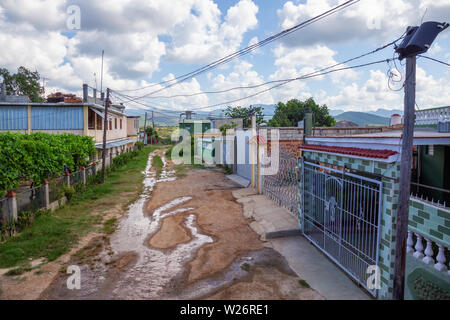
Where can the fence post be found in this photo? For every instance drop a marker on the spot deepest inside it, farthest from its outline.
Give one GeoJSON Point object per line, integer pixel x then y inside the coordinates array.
{"type": "Point", "coordinates": [11, 212]}
{"type": "Point", "coordinates": [67, 179]}
{"type": "Point", "coordinates": [46, 195]}
{"type": "Point", "coordinates": [83, 175]}
{"type": "Point", "coordinates": [94, 168]}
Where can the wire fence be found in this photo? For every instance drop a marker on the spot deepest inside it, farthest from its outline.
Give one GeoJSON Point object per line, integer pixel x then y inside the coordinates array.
{"type": "Point", "coordinates": [56, 189]}
{"type": "Point", "coordinates": [30, 200]}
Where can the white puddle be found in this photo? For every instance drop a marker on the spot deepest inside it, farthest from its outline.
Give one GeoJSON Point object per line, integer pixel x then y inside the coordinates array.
{"type": "Point", "coordinates": [154, 268]}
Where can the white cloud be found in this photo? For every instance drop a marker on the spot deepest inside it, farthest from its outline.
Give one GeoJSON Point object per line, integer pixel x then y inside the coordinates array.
{"type": "Point", "coordinates": [241, 75]}
{"type": "Point", "coordinates": [380, 20]}
{"type": "Point", "coordinates": [201, 37]}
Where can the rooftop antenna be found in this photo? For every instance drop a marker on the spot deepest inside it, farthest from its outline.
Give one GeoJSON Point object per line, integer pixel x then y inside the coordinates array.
{"type": "Point", "coordinates": [101, 78]}
{"type": "Point", "coordinates": [424, 14]}
{"type": "Point", "coordinates": [95, 80]}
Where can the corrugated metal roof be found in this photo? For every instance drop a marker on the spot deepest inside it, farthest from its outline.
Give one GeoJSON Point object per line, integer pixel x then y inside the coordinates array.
{"type": "Point", "coordinates": [114, 144]}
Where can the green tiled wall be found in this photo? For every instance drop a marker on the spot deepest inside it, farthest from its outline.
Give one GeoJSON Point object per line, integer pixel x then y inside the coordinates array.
{"type": "Point", "coordinates": [430, 221]}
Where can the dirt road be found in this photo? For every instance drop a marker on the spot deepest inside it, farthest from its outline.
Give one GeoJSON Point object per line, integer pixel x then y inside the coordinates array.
{"type": "Point", "coordinates": [184, 238]}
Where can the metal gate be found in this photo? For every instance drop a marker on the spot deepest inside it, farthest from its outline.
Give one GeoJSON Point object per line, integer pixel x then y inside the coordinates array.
{"type": "Point", "coordinates": [341, 216]}
{"type": "Point", "coordinates": [242, 156]}
{"type": "Point", "coordinates": [282, 187]}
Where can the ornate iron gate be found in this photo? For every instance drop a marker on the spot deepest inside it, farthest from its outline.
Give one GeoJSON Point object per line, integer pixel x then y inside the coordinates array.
{"type": "Point", "coordinates": [282, 187]}
{"type": "Point", "coordinates": [341, 216]}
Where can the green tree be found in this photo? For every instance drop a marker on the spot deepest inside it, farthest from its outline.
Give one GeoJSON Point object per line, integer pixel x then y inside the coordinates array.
{"type": "Point", "coordinates": [24, 82]}
{"type": "Point", "coordinates": [289, 114]}
{"type": "Point", "coordinates": [246, 114]}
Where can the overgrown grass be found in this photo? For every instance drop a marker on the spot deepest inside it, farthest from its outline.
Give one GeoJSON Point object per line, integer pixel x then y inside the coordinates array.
{"type": "Point", "coordinates": [54, 234]}
{"type": "Point", "coordinates": [157, 164]}
{"type": "Point", "coordinates": [110, 225]}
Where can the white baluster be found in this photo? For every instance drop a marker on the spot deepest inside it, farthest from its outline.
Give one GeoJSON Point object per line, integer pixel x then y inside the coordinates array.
{"type": "Point", "coordinates": [410, 243]}
{"type": "Point", "coordinates": [440, 265]}
{"type": "Point", "coordinates": [429, 253]}
{"type": "Point", "coordinates": [419, 247]}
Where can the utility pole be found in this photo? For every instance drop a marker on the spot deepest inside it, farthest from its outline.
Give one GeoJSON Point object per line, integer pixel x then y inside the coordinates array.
{"type": "Point", "coordinates": [145, 127]}
{"type": "Point", "coordinates": [107, 102]}
{"type": "Point", "coordinates": [153, 119]}
{"type": "Point", "coordinates": [417, 40]}
{"type": "Point", "coordinates": [405, 179]}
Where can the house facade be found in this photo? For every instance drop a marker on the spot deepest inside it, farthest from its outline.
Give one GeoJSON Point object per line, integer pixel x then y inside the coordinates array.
{"type": "Point", "coordinates": [78, 117]}
{"type": "Point", "coordinates": [348, 206]}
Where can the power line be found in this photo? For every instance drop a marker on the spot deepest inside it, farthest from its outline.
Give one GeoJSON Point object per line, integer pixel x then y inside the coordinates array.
{"type": "Point", "coordinates": [270, 82]}
{"type": "Point", "coordinates": [286, 81]}
{"type": "Point", "coordinates": [436, 60]}
{"type": "Point", "coordinates": [248, 49]}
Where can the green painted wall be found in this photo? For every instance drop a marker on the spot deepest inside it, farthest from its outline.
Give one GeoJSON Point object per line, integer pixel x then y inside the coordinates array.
{"type": "Point", "coordinates": [191, 125]}
{"type": "Point", "coordinates": [435, 173]}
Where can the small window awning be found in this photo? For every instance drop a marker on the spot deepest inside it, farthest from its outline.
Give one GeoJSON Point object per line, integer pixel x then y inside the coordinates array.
{"type": "Point", "coordinates": [100, 114]}
{"type": "Point", "coordinates": [113, 144]}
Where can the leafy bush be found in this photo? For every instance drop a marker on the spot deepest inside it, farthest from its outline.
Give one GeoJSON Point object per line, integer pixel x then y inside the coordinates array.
{"type": "Point", "coordinates": [123, 158]}
{"type": "Point", "coordinates": [38, 156]}
{"type": "Point", "coordinates": [68, 192]}
{"type": "Point", "coordinates": [139, 145]}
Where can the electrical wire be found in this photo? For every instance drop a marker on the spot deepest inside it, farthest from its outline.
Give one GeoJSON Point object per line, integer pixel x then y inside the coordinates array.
{"type": "Point", "coordinates": [307, 76]}
{"type": "Point", "coordinates": [435, 60]}
{"type": "Point", "coordinates": [248, 49]}
{"type": "Point", "coordinates": [130, 99]}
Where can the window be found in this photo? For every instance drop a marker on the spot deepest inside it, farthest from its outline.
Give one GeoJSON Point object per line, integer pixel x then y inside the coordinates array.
{"type": "Point", "coordinates": [91, 119]}
{"type": "Point", "coordinates": [429, 150]}
{"type": "Point", "coordinates": [115, 123]}
{"type": "Point", "coordinates": [99, 122]}
{"type": "Point", "coordinates": [110, 125]}
{"type": "Point", "coordinates": [120, 124]}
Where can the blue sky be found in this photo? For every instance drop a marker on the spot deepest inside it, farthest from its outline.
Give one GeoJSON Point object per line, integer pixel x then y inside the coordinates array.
{"type": "Point", "coordinates": [149, 41]}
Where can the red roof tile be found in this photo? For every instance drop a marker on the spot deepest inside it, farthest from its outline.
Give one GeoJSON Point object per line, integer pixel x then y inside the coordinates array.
{"type": "Point", "coordinates": [366, 153]}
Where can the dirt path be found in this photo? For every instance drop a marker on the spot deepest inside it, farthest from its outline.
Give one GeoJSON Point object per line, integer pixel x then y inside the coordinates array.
{"type": "Point", "coordinates": [182, 239]}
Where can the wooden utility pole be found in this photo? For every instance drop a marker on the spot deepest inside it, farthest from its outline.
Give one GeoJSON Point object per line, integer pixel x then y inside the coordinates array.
{"type": "Point", "coordinates": [145, 129]}
{"type": "Point", "coordinates": [107, 102]}
{"type": "Point", "coordinates": [405, 179]}
{"type": "Point", "coordinates": [153, 119]}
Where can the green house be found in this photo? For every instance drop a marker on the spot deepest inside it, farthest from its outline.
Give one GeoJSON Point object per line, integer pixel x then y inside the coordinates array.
{"type": "Point", "coordinates": [190, 125]}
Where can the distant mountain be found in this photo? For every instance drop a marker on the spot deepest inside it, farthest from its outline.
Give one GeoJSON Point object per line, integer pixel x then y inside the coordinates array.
{"type": "Point", "coordinates": [363, 119]}
{"type": "Point", "coordinates": [335, 113]}
{"type": "Point", "coordinates": [386, 113]}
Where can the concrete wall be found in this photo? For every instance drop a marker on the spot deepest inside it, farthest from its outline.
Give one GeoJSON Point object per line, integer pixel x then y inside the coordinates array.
{"type": "Point", "coordinates": [111, 135]}
{"type": "Point", "coordinates": [220, 122]}
{"type": "Point", "coordinates": [132, 126]}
